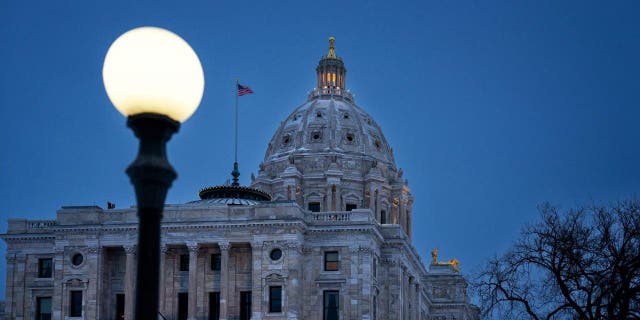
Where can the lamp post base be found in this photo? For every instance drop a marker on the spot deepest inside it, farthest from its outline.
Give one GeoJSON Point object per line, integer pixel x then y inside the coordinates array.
{"type": "Point", "coordinates": [151, 175]}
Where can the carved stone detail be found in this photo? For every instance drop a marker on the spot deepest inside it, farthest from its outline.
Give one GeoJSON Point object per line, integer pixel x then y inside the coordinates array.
{"type": "Point", "coordinates": [130, 249]}
{"type": "Point", "coordinates": [193, 246]}
{"type": "Point", "coordinates": [224, 246]}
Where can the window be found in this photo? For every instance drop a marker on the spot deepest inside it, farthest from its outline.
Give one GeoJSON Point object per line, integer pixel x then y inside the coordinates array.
{"type": "Point", "coordinates": [77, 259]}
{"type": "Point", "coordinates": [75, 303]}
{"type": "Point", "coordinates": [214, 305]}
{"type": "Point", "coordinates": [331, 305]}
{"type": "Point", "coordinates": [184, 262]}
{"type": "Point", "coordinates": [245, 305]}
{"type": "Point", "coordinates": [215, 261]}
{"type": "Point", "coordinates": [45, 268]}
{"type": "Point", "coordinates": [350, 137]}
{"type": "Point", "coordinates": [383, 217]}
{"type": "Point", "coordinates": [275, 299]}
{"type": "Point", "coordinates": [314, 206]}
{"type": "Point", "coordinates": [331, 261]}
{"type": "Point", "coordinates": [275, 254]}
{"type": "Point", "coordinates": [183, 305]}
{"type": "Point", "coordinates": [351, 206]}
{"type": "Point", "coordinates": [43, 308]}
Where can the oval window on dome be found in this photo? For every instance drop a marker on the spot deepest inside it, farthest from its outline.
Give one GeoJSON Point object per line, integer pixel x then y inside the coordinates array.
{"type": "Point", "coordinates": [286, 139]}
{"type": "Point", "coordinates": [316, 136]}
{"type": "Point", "coordinates": [350, 137]}
{"type": "Point", "coordinates": [377, 144]}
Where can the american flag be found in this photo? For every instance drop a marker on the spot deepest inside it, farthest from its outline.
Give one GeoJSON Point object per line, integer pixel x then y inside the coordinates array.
{"type": "Point", "coordinates": [242, 90]}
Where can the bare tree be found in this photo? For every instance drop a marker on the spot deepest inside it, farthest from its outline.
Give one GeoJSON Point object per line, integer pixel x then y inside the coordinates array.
{"type": "Point", "coordinates": [580, 264]}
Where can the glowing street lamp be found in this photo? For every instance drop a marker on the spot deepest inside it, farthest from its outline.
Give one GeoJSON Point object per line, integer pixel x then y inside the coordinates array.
{"type": "Point", "coordinates": [153, 77]}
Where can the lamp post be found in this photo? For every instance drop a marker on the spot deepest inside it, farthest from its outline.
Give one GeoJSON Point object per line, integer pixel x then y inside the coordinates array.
{"type": "Point", "coordinates": [153, 77]}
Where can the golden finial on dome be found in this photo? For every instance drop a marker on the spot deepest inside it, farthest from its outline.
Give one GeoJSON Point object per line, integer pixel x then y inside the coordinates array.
{"type": "Point", "coordinates": [332, 52]}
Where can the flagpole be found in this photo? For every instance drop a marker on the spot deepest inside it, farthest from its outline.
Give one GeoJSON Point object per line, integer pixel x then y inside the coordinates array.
{"type": "Point", "coordinates": [236, 151]}
{"type": "Point", "coordinates": [236, 173]}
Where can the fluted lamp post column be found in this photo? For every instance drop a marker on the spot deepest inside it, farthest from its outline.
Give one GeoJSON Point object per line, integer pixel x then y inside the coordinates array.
{"type": "Point", "coordinates": [153, 77]}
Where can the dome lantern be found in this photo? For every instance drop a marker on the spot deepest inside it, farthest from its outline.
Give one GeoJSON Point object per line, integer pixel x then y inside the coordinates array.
{"type": "Point", "coordinates": [331, 75]}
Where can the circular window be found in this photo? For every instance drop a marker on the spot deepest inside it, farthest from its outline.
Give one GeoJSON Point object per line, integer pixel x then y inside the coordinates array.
{"type": "Point", "coordinates": [77, 259]}
{"type": "Point", "coordinates": [377, 144]}
{"type": "Point", "coordinates": [315, 136]}
{"type": "Point", "coordinates": [346, 115]}
{"type": "Point", "coordinates": [286, 140]}
{"type": "Point", "coordinates": [275, 254]}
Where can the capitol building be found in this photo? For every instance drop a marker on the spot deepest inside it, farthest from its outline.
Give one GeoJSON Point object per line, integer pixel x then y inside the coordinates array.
{"type": "Point", "coordinates": [323, 232]}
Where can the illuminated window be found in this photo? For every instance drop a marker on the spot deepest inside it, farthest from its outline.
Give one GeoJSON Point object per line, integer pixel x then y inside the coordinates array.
{"type": "Point", "coordinates": [334, 78]}
{"type": "Point", "coordinates": [331, 260]}
{"type": "Point", "coordinates": [328, 77]}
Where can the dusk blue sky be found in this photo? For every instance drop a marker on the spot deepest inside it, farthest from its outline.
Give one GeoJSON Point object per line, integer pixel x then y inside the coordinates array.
{"type": "Point", "coordinates": [491, 107]}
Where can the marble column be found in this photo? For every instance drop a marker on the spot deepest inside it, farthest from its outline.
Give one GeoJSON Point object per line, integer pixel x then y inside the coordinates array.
{"type": "Point", "coordinates": [20, 270]}
{"type": "Point", "coordinates": [94, 288]}
{"type": "Point", "coordinates": [129, 281]}
{"type": "Point", "coordinates": [256, 280]}
{"type": "Point", "coordinates": [163, 285]}
{"type": "Point", "coordinates": [193, 279]}
{"type": "Point", "coordinates": [224, 279]}
{"type": "Point", "coordinates": [11, 260]}
{"type": "Point", "coordinates": [293, 287]}
{"type": "Point", "coordinates": [58, 268]}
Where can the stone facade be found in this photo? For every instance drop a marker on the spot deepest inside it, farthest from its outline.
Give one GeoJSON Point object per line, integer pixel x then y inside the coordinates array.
{"type": "Point", "coordinates": [335, 239]}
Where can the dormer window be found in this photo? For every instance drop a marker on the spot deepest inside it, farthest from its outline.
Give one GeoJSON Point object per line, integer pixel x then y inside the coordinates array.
{"type": "Point", "coordinates": [350, 137]}
{"type": "Point", "coordinates": [318, 114]}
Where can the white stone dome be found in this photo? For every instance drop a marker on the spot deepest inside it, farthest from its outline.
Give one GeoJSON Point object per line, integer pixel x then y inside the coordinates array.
{"type": "Point", "coordinates": [330, 125]}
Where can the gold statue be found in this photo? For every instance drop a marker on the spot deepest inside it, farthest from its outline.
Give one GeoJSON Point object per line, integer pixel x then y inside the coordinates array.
{"type": "Point", "coordinates": [332, 52]}
{"type": "Point", "coordinates": [454, 263]}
